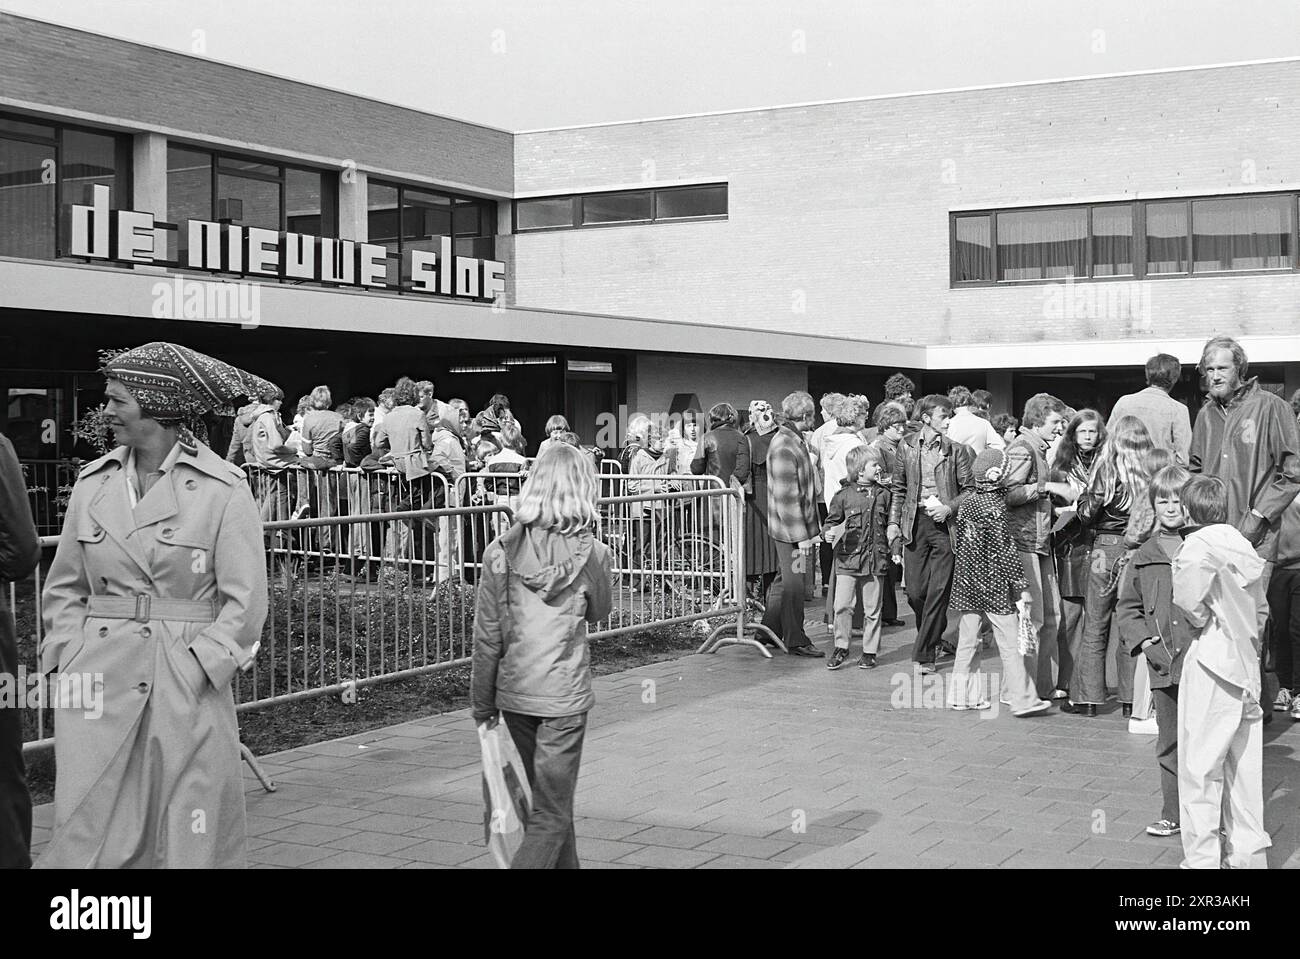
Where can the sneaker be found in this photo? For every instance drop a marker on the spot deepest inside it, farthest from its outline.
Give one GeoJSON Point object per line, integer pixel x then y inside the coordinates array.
{"type": "Point", "coordinates": [928, 669]}
{"type": "Point", "coordinates": [1284, 700]}
{"type": "Point", "coordinates": [1165, 827]}
{"type": "Point", "coordinates": [1041, 706]}
{"type": "Point", "coordinates": [1059, 693]}
{"type": "Point", "coordinates": [868, 661]}
{"type": "Point", "coordinates": [1295, 709]}
{"type": "Point", "coordinates": [837, 658]}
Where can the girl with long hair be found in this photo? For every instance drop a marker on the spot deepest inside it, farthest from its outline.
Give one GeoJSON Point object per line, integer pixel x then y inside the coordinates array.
{"type": "Point", "coordinates": [543, 581]}
{"type": "Point", "coordinates": [1075, 454]}
{"type": "Point", "coordinates": [1115, 508]}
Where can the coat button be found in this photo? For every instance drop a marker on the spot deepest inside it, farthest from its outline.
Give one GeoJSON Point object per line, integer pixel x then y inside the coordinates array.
{"type": "Point", "coordinates": [190, 484]}
{"type": "Point", "coordinates": [142, 688]}
{"type": "Point", "coordinates": [167, 533]}
{"type": "Point", "coordinates": [96, 530]}
{"type": "Point", "coordinates": [146, 632]}
{"type": "Point", "coordinates": [103, 630]}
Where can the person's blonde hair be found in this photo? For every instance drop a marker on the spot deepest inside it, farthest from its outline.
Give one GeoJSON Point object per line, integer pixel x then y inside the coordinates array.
{"type": "Point", "coordinates": [560, 492]}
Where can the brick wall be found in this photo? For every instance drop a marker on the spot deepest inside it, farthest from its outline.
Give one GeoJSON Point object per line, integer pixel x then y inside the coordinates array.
{"type": "Point", "coordinates": [839, 212]}
{"type": "Point", "coordinates": [68, 69]}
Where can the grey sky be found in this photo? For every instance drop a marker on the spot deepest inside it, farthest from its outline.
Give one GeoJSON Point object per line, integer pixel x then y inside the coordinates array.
{"type": "Point", "coordinates": [522, 64]}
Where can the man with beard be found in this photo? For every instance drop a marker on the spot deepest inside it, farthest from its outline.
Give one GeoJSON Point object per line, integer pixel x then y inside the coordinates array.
{"type": "Point", "coordinates": [1247, 437]}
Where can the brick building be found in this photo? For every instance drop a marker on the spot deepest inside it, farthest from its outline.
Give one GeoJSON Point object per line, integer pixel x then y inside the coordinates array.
{"type": "Point", "coordinates": [1018, 237]}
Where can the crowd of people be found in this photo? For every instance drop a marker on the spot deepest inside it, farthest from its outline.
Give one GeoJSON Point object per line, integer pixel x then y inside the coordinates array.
{"type": "Point", "coordinates": [1056, 536]}
{"type": "Point", "coordinates": [1068, 534]}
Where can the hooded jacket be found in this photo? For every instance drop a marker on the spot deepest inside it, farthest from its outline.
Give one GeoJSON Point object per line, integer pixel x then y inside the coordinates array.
{"type": "Point", "coordinates": [1217, 584]}
{"type": "Point", "coordinates": [538, 591]}
{"type": "Point", "coordinates": [243, 420]}
{"type": "Point", "coordinates": [835, 446]}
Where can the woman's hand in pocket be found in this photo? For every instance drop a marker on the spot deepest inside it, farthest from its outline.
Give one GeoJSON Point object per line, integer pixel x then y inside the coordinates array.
{"type": "Point", "coordinates": [192, 673]}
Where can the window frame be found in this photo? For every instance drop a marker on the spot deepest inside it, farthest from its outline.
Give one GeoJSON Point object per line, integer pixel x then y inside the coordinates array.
{"type": "Point", "coordinates": [577, 208]}
{"type": "Point", "coordinates": [487, 219]}
{"type": "Point", "coordinates": [123, 161]}
{"type": "Point", "coordinates": [1140, 271]}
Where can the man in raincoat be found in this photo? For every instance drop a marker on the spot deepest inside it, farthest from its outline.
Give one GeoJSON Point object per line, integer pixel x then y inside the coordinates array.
{"type": "Point", "coordinates": [1217, 583]}
{"type": "Point", "coordinates": [156, 597]}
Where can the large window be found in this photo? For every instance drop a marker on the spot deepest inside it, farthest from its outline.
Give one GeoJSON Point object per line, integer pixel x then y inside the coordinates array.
{"type": "Point", "coordinates": [44, 168]}
{"type": "Point", "coordinates": [668, 204]}
{"type": "Point", "coordinates": [1139, 239]}
{"type": "Point", "coordinates": [404, 218]}
{"type": "Point", "coordinates": [247, 192]}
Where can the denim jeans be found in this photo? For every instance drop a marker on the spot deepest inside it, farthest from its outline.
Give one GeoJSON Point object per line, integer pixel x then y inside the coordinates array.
{"type": "Point", "coordinates": [927, 563]}
{"type": "Point", "coordinates": [1069, 636]}
{"type": "Point", "coordinates": [551, 750]}
{"type": "Point", "coordinates": [1167, 749]}
{"type": "Point", "coordinates": [1088, 684]}
{"type": "Point", "coordinates": [785, 600]}
{"type": "Point", "coordinates": [15, 801]}
{"type": "Point", "coordinates": [847, 589]}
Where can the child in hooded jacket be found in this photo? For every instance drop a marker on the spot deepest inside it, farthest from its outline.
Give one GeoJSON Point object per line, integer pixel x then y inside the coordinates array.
{"type": "Point", "coordinates": [542, 583]}
{"type": "Point", "coordinates": [861, 507]}
{"type": "Point", "coordinates": [1218, 585]}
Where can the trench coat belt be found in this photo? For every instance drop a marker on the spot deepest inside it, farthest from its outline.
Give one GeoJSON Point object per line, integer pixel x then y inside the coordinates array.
{"type": "Point", "coordinates": [143, 607]}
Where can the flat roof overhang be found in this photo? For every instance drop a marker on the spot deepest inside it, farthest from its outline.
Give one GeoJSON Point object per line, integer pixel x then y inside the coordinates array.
{"type": "Point", "coordinates": [76, 288]}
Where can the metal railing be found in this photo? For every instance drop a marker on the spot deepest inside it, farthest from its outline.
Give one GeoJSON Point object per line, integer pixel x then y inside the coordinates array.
{"type": "Point", "coordinates": [371, 596]}
{"type": "Point", "coordinates": [49, 484]}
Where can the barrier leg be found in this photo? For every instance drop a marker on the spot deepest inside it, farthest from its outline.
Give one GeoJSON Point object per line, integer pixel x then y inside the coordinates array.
{"type": "Point", "coordinates": [247, 755]}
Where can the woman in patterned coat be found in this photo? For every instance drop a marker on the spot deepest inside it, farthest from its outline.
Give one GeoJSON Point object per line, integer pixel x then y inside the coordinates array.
{"type": "Point", "coordinates": [988, 580]}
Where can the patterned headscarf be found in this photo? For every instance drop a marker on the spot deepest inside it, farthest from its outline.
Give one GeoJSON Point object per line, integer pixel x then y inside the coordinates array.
{"type": "Point", "coordinates": [175, 384]}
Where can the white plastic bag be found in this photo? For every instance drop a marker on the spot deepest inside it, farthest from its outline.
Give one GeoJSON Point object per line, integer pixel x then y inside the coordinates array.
{"type": "Point", "coordinates": [1143, 720]}
{"type": "Point", "coordinates": [506, 795]}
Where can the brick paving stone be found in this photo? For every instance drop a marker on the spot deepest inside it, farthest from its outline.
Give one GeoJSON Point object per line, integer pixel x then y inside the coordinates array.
{"type": "Point", "coordinates": [288, 854]}
{"type": "Point", "coordinates": [971, 853]}
{"type": "Point", "coordinates": [449, 830]}
{"type": "Point", "coordinates": [326, 815]}
{"type": "Point", "coordinates": [378, 843]}
{"type": "Point", "coordinates": [604, 850]}
{"type": "Point", "coordinates": [389, 822]}
{"type": "Point", "coordinates": [354, 860]}
{"type": "Point", "coordinates": [1131, 852]}
{"type": "Point", "coordinates": [440, 852]}
{"type": "Point", "coordinates": [750, 847]}
{"type": "Point", "coordinates": [740, 862]}
{"type": "Point", "coordinates": [672, 836]}
{"type": "Point", "coordinates": [664, 857]}
{"type": "Point", "coordinates": [308, 833]}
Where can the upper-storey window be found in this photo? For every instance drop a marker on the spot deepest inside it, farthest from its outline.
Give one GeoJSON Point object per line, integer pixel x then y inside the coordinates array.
{"type": "Point", "coordinates": [1137, 239]}
{"type": "Point", "coordinates": [44, 169]}
{"type": "Point", "coordinates": [404, 218]}
{"type": "Point", "coordinates": [666, 204]}
{"type": "Point", "coordinates": [249, 192]}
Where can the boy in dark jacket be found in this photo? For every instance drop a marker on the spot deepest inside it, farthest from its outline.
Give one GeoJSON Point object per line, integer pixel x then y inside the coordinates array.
{"type": "Point", "coordinates": [861, 508]}
{"type": "Point", "coordinates": [1149, 624]}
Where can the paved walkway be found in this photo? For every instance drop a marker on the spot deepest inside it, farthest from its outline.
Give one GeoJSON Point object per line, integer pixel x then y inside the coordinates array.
{"type": "Point", "coordinates": [732, 760]}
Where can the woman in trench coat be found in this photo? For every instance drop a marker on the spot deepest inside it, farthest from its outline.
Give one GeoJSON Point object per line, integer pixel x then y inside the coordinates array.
{"type": "Point", "coordinates": [156, 597]}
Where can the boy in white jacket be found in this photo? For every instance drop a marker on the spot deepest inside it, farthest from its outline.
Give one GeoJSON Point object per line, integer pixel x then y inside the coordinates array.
{"type": "Point", "coordinates": [1217, 585]}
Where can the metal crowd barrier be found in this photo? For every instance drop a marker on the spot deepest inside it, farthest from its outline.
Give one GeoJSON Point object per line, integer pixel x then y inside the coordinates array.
{"type": "Point", "coordinates": [49, 483]}
{"type": "Point", "coordinates": [380, 595]}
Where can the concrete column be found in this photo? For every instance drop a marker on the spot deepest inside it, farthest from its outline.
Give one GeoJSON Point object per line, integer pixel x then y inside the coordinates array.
{"type": "Point", "coordinates": [149, 187]}
{"type": "Point", "coordinates": [1291, 373]}
{"type": "Point", "coordinates": [1000, 385]}
{"type": "Point", "coordinates": [353, 222]}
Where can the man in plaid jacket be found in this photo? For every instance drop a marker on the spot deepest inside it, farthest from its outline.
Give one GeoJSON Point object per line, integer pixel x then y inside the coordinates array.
{"type": "Point", "coordinates": [792, 522]}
